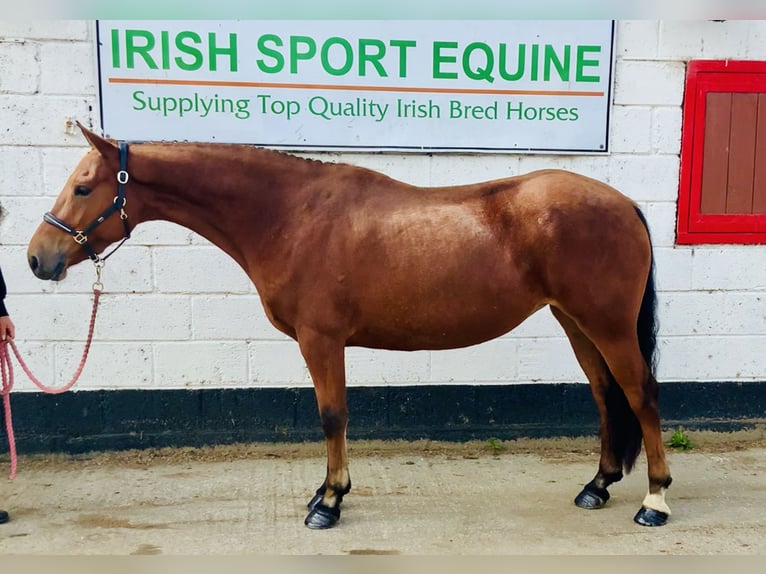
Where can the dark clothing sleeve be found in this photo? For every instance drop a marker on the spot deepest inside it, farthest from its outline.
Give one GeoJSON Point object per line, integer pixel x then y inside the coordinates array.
{"type": "Point", "coordinates": [3, 310]}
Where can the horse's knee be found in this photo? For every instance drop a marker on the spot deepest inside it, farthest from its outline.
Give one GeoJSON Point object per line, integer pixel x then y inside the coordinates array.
{"type": "Point", "coordinates": [334, 421]}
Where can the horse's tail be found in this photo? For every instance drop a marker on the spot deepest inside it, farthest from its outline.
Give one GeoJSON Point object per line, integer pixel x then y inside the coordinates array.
{"type": "Point", "coordinates": [647, 315]}
{"type": "Point", "coordinates": [624, 428]}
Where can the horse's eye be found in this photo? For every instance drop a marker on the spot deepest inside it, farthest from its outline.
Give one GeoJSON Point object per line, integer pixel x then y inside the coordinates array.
{"type": "Point", "coordinates": [81, 190]}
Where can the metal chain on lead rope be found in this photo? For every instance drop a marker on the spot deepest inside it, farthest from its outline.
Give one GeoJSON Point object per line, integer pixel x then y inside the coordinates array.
{"type": "Point", "coordinates": [6, 367]}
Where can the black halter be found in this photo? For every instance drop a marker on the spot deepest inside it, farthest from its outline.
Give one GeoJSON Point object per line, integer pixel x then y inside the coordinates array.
{"type": "Point", "coordinates": [81, 236]}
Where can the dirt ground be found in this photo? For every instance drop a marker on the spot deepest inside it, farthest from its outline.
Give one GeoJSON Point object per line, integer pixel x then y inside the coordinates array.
{"type": "Point", "coordinates": [408, 498]}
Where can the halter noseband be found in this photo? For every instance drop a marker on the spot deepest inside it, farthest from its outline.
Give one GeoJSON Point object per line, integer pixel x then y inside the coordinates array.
{"type": "Point", "coordinates": [81, 236]}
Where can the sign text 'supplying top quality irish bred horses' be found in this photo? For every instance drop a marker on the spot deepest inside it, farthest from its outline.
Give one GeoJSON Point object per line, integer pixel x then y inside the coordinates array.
{"type": "Point", "coordinates": [344, 256]}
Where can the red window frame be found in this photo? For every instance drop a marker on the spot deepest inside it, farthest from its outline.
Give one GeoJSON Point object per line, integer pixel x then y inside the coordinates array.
{"type": "Point", "coordinates": [694, 227]}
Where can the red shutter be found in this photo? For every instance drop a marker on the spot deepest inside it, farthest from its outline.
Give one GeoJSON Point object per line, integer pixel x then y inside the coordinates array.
{"type": "Point", "coordinates": [722, 198]}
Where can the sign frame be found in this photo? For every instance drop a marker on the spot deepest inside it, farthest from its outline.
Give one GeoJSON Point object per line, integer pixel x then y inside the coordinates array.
{"type": "Point", "coordinates": [473, 113]}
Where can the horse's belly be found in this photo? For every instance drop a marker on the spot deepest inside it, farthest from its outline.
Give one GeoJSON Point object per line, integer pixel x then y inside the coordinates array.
{"type": "Point", "coordinates": [443, 324]}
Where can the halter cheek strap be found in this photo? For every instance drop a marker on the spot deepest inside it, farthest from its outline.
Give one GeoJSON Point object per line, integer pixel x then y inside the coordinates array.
{"type": "Point", "coordinates": [81, 236]}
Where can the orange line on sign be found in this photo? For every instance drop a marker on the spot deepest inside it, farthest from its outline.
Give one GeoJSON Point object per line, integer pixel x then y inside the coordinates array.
{"type": "Point", "coordinates": [224, 84]}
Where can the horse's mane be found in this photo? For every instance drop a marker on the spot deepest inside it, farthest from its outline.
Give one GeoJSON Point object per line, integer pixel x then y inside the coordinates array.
{"type": "Point", "coordinates": [247, 151]}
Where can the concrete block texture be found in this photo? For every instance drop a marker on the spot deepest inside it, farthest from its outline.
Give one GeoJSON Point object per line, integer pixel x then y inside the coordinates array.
{"type": "Point", "coordinates": [649, 82]}
{"type": "Point", "coordinates": [21, 73]}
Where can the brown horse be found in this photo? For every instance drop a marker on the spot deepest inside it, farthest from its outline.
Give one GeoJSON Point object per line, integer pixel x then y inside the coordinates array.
{"type": "Point", "coordinates": [344, 256]}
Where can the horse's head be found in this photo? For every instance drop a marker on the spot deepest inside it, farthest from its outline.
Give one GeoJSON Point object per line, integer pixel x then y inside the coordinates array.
{"type": "Point", "coordinates": [88, 214]}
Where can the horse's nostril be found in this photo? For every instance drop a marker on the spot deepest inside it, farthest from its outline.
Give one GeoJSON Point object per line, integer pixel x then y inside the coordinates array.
{"type": "Point", "coordinates": [34, 263]}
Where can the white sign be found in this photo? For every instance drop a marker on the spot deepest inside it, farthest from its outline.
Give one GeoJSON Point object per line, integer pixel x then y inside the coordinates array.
{"type": "Point", "coordinates": [364, 85]}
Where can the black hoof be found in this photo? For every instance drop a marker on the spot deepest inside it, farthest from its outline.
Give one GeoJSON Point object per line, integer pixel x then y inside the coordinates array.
{"type": "Point", "coordinates": [317, 497]}
{"type": "Point", "coordinates": [4, 517]}
{"type": "Point", "coordinates": [322, 516]}
{"type": "Point", "coordinates": [592, 497]}
{"type": "Point", "coordinates": [650, 517]}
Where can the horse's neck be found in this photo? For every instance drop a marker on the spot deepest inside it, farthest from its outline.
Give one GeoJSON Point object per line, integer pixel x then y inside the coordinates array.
{"type": "Point", "coordinates": [231, 195]}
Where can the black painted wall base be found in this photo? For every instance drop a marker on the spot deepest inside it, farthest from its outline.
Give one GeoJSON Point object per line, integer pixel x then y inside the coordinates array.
{"type": "Point", "coordinates": [84, 421]}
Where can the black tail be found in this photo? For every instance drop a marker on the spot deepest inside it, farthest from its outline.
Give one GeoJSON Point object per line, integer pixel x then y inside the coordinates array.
{"type": "Point", "coordinates": [624, 430]}
{"type": "Point", "coordinates": [647, 315]}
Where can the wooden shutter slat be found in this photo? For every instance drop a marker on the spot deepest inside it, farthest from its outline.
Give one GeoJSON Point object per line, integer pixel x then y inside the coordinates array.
{"type": "Point", "coordinates": [715, 153]}
{"type": "Point", "coordinates": [744, 118]}
{"type": "Point", "coordinates": [759, 178]}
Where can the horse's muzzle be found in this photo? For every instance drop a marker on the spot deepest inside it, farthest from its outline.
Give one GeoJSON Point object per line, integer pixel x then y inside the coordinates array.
{"type": "Point", "coordinates": [54, 269]}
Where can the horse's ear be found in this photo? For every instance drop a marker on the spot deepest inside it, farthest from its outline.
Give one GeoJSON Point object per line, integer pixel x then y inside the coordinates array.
{"type": "Point", "coordinates": [105, 147]}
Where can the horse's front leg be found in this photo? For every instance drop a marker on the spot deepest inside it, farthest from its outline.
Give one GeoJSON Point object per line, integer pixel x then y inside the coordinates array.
{"type": "Point", "coordinates": [325, 360]}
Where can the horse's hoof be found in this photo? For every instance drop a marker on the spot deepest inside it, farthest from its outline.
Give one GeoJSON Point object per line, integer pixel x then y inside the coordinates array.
{"type": "Point", "coordinates": [592, 497]}
{"type": "Point", "coordinates": [322, 516]}
{"type": "Point", "coordinates": [650, 517]}
{"type": "Point", "coordinates": [317, 497]}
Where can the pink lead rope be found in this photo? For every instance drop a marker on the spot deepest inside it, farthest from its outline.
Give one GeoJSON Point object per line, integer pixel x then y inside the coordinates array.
{"type": "Point", "coordinates": [6, 367]}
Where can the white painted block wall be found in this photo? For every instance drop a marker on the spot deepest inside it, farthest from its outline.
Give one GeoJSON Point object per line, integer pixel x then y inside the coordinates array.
{"type": "Point", "coordinates": [177, 313]}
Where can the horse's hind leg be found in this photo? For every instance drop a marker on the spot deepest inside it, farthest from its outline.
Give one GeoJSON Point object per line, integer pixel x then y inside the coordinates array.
{"type": "Point", "coordinates": [626, 394]}
{"type": "Point", "coordinates": [619, 430]}
{"type": "Point", "coordinates": [625, 361]}
{"type": "Point", "coordinates": [325, 360]}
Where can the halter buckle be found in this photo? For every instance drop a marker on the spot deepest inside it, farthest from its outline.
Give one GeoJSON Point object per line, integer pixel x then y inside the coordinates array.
{"type": "Point", "coordinates": [80, 238]}
{"type": "Point", "coordinates": [122, 177]}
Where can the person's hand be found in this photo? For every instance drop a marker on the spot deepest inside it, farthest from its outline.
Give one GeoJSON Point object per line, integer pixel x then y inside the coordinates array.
{"type": "Point", "coordinates": [7, 328]}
